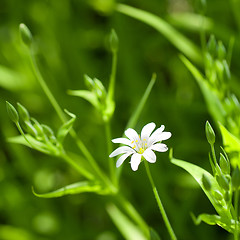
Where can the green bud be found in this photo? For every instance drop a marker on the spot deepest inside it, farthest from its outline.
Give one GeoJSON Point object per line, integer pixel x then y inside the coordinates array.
{"type": "Point", "coordinates": [218, 195]}
{"type": "Point", "coordinates": [25, 34]}
{"type": "Point", "coordinates": [23, 112]}
{"type": "Point", "coordinates": [210, 133]}
{"type": "Point", "coordinates": [221, 50]}
{"type": "Point", "coordinates": [206, 182]}
{"type": "Point", "coordinates": [227, 197]}
{"type": "Point", "coordinates": [211, 45]}
{"type": "Point", "coordinates": [224, 164]}
{"type": "Point", "coordinates": [223, 182]}
{"type": "Point", "coordinates": [49, 133]}
{"type": "Point", "coordinates": [38, 127]}
{"type": "Point", "coordinates": [30, 129]}
{"type": "Point", "coordinates": [219, 68]}
{"type": "Point", "coordinates": [12, 112]}
{"type": "Point", "coordinates": [236, 178]}
{"type": "Point", "coordinates": [227, 73]}
{"type": "Point", "coordinates": [99, 89]}
{"type": "Point", "coordinates": [88, 82]}
{"type": "Point", "coordinates": [113, 41]}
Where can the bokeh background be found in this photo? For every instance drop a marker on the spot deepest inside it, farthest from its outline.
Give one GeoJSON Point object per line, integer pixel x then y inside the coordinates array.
{"type": "Point", "coordinates": [71, 39]}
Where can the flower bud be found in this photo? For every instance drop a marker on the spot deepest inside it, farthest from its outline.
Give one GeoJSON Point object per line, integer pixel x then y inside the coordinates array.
{"type": "Point", "coordinates": [227, 73]}
{"type": "Point", "coordinates": [12, 112]}
{"type": "Point", "coordinates": [221, 51]}
{"type": "Point", "coordinates": [206, 182]}
{"type": "Point", "coordinates": [211, 45]}
{"type": "Point", "coordinates": [236, 178]}
{"type": "Point", "coordinates": [218, 195]}
{"type": "Point", "coordinates": [210, 133]}
{"type": "Point", "coordinates": [223, 182]}
{"type": "Point", "coordinates": [25, 34]}
{"type": "Point", "coordinates": [23, 112]}
{"type": "Point", "coordinates": [113, 41]}
{"type": "Point", "coordinates": [224, 164]}
{"type": "Point", "coordinates": [99, 89]}
{"type": "Point", "coordinates": [88, 82]}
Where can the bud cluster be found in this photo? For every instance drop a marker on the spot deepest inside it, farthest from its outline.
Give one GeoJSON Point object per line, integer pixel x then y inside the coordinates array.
{"type": "Point", "coordinates": [39, 136]}
{"type": "Point", "coordinates": [228, 181]}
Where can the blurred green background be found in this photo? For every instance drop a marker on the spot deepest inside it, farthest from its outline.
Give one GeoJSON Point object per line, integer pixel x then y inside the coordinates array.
{"type": "Point", "coordinates": [71, 40]}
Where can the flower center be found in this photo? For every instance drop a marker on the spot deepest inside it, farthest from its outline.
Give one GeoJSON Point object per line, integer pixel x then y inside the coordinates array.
{"type": "Point", "coordinates": [140, 145]}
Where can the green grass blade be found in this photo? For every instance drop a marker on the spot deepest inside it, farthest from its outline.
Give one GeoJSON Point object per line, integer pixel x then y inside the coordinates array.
{"type": "Point", "coordinates": [75, 188]}
{"type": "Point", "coordinates": [129, 230]}
{"type": "Point", "coordinates": [197, 173]}
{"type": "Point", "coordinates": [182, 43]}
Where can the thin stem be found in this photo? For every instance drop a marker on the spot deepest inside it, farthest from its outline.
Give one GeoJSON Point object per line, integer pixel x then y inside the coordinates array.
{"type": "Point", "coordinates": [81, 170]}
{"type": "Point", "coordinates": [132, 212]}
{"type": "Point", "coordinates": [213, 154]}
{"type": "Point", "coordinates": [160, 205]}
{"type": "Point", "coordinates": [45, 88]}
{"type": "Point", "coordinates": [61, 115]}
{"type": "Point", "coordinates": [236, 198]}
{"type": "Point", "coordinates": [111, 87]}
{"type": "Point", "coordinates": [109, 150]}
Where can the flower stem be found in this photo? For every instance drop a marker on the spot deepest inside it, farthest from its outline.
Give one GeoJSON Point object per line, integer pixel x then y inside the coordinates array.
{"type": "Point", "coordinates": [236, 198]}
{"type": "Point", "coordinates": [80, 169]}
{"type": "Point", "coordinates": [160, 205]}
{"type": "Point", "coordinates": [132, 212]}
{"type": "Point", "coordinates": [61, 115]}
{"type": "Point", "coordinates": [109, 150]}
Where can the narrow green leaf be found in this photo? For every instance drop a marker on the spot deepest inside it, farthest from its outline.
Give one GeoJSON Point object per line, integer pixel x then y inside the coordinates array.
{"type": "Point", "coordinates": [226, 224]}
{"type": "Point", "coordinates": [129, 230]}
{"type": "Point", "coordinates": [182, 43]}
{"type": "Point", "coordinates": [66, 127]}
{"type": "Point", "coordinates": [34, 143]}
{"type": "Point", "coordinates": [214, 105]}
{"type": "Point", "coordinates": [12, 112]}
{"type": "Point", "coordinates": [87, 95]}
{"type": "Point", "coordinates": [197, 173]}
{"type": "Point", "coordinates": [75, 188]}
{"type": "Point", "coordinates": [154, 235]}
{"type": "Point", "coordinates": [231, 145]}
{"type": "Point", "coordinates": [135, 116]}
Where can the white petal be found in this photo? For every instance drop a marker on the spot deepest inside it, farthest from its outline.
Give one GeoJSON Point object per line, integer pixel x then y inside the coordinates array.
{"type": "Point", "coordinates": [135, 161]}
{"type": "Point", "coordinates": [120, 150]}
{"type": "Point", "coordinates": [161, 137]}
{"type": "Point", "coordinates": [147, 130]}
{"type": "Point", "coordinates": [149, 155]}
{"type": "Point", "coordinates": [122, 140]}
{"type": "Point", "coordinates": [131, 134]}
{"type": "Point", "coordinates": [160, 147]}
{"type": "Point", "coordinates": [122, 159]}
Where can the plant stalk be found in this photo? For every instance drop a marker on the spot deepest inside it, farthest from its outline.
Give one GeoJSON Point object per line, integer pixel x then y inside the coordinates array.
{"type": "Point", "coordinates": [159, 202]}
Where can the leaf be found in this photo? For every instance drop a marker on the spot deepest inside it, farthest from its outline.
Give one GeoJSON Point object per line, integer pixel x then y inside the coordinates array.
{"type": "Point", "coordinates": [12, 80]}
{"type": "Point", "coordinates": [129, 230]}
{"type": "Point", "coordinates": [87, 95]}
{"type": "Point", "coordinates": [135, 116]}
{"type": "Point", "coordinates": [228, 225]}
{"type": "Point", "coordinates": [34, 143]}
{"type": "Point", "coordinates": [75, 188]}
{"type": "Point", "coordinates": [231, 145]}
{"type": "Point", "coordinates": [66, 127]}
{"type": "Point", "coordinates": [154, 235]}
{"type": "Point", "coordinates": [214, 105]}
{"type": "Point", "coordinates": [197, 173]}
{"type": "Point", "coordinates": [182, 43]}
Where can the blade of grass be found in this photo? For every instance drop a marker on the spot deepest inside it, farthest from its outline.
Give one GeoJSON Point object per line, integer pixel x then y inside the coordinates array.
{"type": "Point", "coordinates": [182, 43]}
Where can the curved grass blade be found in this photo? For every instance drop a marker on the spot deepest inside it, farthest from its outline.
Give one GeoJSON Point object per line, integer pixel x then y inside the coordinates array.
{"type": "Point", "coordinates": [128, 229]}
{"type": "Point", "coordinates": [182, 43]}
{"type": "Point", "coordinates": [197, 173]}
{"type": "Point", "coordinates": [75, 188]}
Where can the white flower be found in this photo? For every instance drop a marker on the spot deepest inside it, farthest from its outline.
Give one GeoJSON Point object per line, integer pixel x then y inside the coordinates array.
{"type": "Point", "coordinates": [141, 146]}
